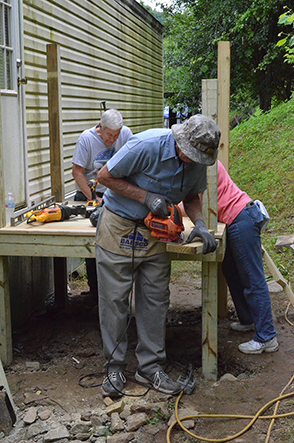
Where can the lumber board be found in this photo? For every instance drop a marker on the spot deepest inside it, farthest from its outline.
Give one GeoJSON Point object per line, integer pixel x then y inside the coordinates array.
{"type": "Point", "coordinates": [209, 319]}
{"type": "Point", "coordinates": [278, 277]}
{"type": "Point", "coordinates": [79, 226]}
{"type": "Point", "coordinates": [48, 245]}
{"type": "Point", "coordinates": [284, 242]}
{"type": "Point", "coordinates": [191, 248]}
{"type": "Point", "coordinates": [55, 121]}
{"type": "Point", "coordinates": [222, 293]}
{"type": "Point", "coordinates": [197, 246]}
{"type": "Point", "coordinates": [223, 113]}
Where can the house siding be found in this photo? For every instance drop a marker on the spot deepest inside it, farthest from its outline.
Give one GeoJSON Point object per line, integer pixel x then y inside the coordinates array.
{"type": "Point", "coordinates": [109, 51]}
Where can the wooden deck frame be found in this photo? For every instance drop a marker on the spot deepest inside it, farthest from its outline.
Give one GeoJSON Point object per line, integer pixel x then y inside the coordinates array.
{"type": "Point", "coordinates": [75, 238]}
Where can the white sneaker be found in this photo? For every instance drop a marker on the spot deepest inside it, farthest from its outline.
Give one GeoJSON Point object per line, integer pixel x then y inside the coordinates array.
{"type": "Point", "coordinates": [255, 347]}
{"type": "Point", "coordinates": [237, 326]}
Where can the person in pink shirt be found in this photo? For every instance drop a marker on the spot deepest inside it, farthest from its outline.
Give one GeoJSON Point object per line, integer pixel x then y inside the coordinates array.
{"type": "Point", "coordinates": [243, 265]}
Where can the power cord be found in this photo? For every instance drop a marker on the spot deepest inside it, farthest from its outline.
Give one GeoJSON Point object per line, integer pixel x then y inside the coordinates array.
{"type": "Point", "coordinates": [92, 385]}
{"type": "Point", "coordinates": [129, 321]}
{"type": "Point", "coordinates": [123, 334]}
{"type": "Point", "coordinates": [186, 380]}
{"type": "Point", "coordinates": [253, 419]}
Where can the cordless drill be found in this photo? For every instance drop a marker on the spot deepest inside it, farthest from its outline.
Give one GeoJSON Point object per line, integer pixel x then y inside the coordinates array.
{"type": "Point", "coordinates": [92, 185]}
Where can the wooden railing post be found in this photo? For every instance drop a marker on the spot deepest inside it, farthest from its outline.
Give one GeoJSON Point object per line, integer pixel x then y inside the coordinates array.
{"type": "Point", "coordinates": [223, 120]}
{"type": "Point", "coordinates": [209, 269]}
{"type": "Point", "coordinates": [56, 157]}
{"type": "Point", "coordinates": [223, 111]}
{"type": "Point", "coordinates": [55, 121]}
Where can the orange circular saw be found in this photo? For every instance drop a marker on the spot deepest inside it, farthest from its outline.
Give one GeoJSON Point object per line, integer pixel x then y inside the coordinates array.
{"type": "Point", "coordinates": [166, 229]}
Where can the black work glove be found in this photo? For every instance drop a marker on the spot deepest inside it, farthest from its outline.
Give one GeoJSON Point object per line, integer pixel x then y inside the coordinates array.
{"type": "Point", "coordinates": [200, 230]}
{"type": "Point", "coordinates": [157, 204]}
{"type": "Point", "coordinates": [96, 214]}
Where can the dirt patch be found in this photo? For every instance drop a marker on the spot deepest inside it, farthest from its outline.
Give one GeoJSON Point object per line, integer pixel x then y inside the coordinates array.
{"type": "Point", "coordinates": [54, 351]}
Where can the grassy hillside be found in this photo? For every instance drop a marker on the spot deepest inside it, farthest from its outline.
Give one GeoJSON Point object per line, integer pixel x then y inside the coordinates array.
{"type": "Point", "coordinates": [262, 164]}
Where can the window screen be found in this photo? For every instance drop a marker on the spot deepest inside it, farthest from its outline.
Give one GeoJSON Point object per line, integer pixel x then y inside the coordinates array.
{"type": "Point", "coordinates": [6, 49]}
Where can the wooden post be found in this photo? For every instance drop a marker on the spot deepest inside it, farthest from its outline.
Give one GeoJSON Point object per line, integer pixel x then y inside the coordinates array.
{"type": "Point", "coordinates": [209, 320]}
{"type": "Point", "coordinates": [209, 269]}
{"type": "Point", "coordinates": [223, 111]}
{"type": "Point", "coordinates": [223, 120]}
{"type": "Point", "coordinates": [55, 121]}
{"type": "Point", "coordinates": [222, 293]}
{"type": "Point", "coordinates": [60, 281]}
{"type": "Point", "coordinates": [209, 97]}
{"type": "Point", "coordinates": [56, 157]}
{"type": "Point", "coordinates": [209, 108]}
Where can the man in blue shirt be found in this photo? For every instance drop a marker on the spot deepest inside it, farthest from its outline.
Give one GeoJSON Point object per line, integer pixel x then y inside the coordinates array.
{"type": "Point", "coordinates": [153, 169]}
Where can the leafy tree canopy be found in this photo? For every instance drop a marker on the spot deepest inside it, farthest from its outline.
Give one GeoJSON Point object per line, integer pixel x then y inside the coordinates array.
{"type": "Point", "coordinates": [157, 14]}
{"type": "Point", "coordinates": [192, 30]}
{"type": "Point", "coordinates": [287, 19]}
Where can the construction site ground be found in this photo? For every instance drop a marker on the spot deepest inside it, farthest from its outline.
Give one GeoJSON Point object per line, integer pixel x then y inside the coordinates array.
{"type": "Point", "coordinates": [54, 349]}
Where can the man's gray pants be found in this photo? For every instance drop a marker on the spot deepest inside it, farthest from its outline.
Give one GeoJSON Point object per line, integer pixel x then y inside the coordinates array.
{"type": "Point", "coordinates": [115, 281]}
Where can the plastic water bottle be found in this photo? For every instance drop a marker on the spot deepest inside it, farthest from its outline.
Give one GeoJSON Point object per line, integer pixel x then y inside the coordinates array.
{"type": "Point", "coordinates": [9, 207]}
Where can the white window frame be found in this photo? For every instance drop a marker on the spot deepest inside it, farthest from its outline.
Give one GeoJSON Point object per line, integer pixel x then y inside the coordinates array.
{"type": "Point", "coordinates": [7, 48]}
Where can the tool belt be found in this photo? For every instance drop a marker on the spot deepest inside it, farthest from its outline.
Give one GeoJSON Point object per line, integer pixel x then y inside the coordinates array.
{"type": "Point", "coordinates": [120, 235]}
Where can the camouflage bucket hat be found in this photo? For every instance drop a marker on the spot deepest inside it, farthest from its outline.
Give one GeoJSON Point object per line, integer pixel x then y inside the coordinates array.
{"type": "Point", "coordinates": [198, 138]}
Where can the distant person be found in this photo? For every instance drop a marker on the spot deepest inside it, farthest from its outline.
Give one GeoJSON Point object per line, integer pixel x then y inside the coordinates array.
{"type": "Point", "coordinates": [94, 148]}
{"type": "Point", "coordinates": [185, 114]}
{"type": "Point", "coordinates": [179, 114]}
{"type": "Point", "coordinates": [166, 117]}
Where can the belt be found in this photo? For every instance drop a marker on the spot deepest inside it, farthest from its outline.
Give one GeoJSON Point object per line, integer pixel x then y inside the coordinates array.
{"type": "Point", "coordinates": [250, 203]}
{"type": "Point", "coordinates": [139, 221]}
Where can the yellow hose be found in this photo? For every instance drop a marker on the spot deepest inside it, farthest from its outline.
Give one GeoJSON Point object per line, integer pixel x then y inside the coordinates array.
{"type": "Point", "coordinates": [253, 419]}
{"type": "Point", "coordinates": [275, 411]}
{"type": "Point", "coordinates": [286, 314]}
{"type": "Point", "coordinates": [232, 437]}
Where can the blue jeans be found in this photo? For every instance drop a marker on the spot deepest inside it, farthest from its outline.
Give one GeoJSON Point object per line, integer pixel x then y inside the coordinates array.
{"type": "Point", "coordinates": [244, 273]}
